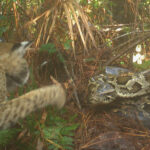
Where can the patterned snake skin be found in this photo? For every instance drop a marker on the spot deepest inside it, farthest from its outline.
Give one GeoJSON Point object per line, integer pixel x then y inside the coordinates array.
{"type": "Point", "coordinates": [128, 91]}
{"type": "Point", "coordinates": [105, 88]}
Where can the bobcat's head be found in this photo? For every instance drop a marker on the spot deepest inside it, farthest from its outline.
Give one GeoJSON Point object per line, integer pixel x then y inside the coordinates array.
{"type": "Point", "coordinates": [19, 49]}
{"type": "Point", "coordinates": [15, 66]}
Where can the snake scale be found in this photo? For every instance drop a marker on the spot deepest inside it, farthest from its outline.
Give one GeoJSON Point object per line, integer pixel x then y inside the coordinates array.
{"type": "Point", "coordinates": [132, 89]}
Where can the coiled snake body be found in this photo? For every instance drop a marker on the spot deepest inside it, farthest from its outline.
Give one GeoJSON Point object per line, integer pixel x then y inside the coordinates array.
{"type": "Point", "coordinates": [131, 88]}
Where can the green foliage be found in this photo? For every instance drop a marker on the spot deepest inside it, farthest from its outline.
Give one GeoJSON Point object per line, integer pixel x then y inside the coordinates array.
{"type": "Point", "coordinates": [96, 7]}
{"type": "Point", "coordinates": [145, 3]}
{"type": "Point", "coordinates": [51, 49]}
{"type": "Point", "coordinates": [3, 29]}
{"type": "Point", "coordinates": [122, 62]}
{"type": "Point", "coordinates": [109, 42]}
{"type": "Point", "coordinates": [91, 59]}
{"type": "Point", "coordinates": [25, 146]}
{"type": "Point", "coordinates": [56, 129]}
{"type": "Point", "coordinates": [127, 29]}
{"type": "Point", "coordinates": [7, 135]}
{"type": "Point", "coordinates": [145, 65]}
{"type": "Point", "coordinates": [31, 123]}
{"type": "Point", "coordinates": [3, 26]}
{"type": "Point", "coordinates": [60, 131]}
{"type": "Point", "coordinates": [67, 44]}
{"type": "Point", "coordinates": [60, 57]}
{"type": "Point", "coordinates": [6, 17]}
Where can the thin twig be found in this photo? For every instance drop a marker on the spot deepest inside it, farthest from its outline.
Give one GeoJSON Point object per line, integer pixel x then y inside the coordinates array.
{"type": "Point", "coordinates": [55, 144]}
{"type": "Point", "coordinates": [128, 49]}
{"type": "Point", "coordinates": [74, 87]}
{"type": "Point", "coordinates": [72, 82]}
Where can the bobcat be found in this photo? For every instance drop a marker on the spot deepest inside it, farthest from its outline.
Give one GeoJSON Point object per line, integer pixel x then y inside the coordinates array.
{"type": "Point", "coordinates": [14, 72]}
{"type": "Point", "coordinates": [13, 63]}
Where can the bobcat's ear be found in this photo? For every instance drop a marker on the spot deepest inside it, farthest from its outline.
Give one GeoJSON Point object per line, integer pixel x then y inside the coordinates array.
{"type": "Point", "coordinates": [21, 48]}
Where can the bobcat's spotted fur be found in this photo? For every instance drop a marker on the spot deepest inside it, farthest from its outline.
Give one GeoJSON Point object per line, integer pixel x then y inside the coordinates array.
{"type": "Point", "coordinates": [14, 72]}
